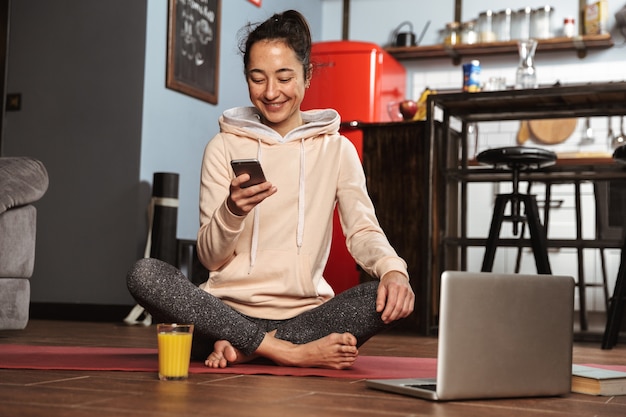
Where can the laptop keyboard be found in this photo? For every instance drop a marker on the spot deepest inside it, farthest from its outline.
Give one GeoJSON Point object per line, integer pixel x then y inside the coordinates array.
{"type": "Point", "coordinates": [430, 387]}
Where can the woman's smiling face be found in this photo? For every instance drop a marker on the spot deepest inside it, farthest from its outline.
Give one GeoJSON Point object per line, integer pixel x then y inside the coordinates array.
{"type": "Point", "coordinates": [276, 84]}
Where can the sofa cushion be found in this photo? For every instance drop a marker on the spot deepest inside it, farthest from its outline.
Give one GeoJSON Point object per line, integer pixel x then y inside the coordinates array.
{"type": "Point", "coordinates": [23, 180]}
{"type": "Point", "coordinates": [17, 242]}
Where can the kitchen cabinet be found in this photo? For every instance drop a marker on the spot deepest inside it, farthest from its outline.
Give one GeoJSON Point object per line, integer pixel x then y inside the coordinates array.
{"type": "Point", "coordinates": [397, 159]}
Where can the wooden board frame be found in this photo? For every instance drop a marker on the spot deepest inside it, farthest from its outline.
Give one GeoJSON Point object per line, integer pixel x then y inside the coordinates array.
{"type": "Point", "coordinates": [193, 39]}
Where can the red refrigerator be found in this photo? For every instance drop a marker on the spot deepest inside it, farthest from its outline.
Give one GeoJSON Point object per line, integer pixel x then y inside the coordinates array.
{"type": "Point", "coordinates": [359, 80]}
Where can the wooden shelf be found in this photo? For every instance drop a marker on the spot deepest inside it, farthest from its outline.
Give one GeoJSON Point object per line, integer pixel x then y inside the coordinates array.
{"type": "Point", "coordinates": [580, 44]}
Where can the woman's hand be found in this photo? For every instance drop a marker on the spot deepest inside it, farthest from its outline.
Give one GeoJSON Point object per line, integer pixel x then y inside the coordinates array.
{"type": "Point", "coordinates": [241, 201]}
{"type": "Point", "coordinates": [395, 297]}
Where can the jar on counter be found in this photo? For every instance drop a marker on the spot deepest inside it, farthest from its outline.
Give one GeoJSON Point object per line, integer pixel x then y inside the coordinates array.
{"type": "Point", "coordinates": [485, 26]}
{"type": "Point", "coordinates": [502, 25]}
{"type": "Point", "coordinates": [520, 24]}
{"type": "Point", "coordinates": [451, 33]}
{"type": "Point", "coordinates": [469, 35]}
{"type": "Point", "coordinates": [541, 26]}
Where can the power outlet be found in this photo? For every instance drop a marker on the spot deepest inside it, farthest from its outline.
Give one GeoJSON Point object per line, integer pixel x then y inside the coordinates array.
{"type": "Point", "coordinates": [620, 18]}
{"type": "Point", "coordinates": [14, 102]}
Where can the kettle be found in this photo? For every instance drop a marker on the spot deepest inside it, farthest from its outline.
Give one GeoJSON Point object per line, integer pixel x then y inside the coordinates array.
{"type": "Point", "coordinates": [405, 39]}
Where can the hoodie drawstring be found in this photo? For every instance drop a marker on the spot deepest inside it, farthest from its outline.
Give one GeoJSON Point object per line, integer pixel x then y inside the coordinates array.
{"type": "Point", "coordinates": [255, 223]}
{"type": "Point", "coordinates": [300, 229]}
{"type": "Point", "coordinates": [301, 207]}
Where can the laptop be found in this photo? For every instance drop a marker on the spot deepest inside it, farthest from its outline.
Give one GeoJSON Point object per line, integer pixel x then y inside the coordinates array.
{"type": "Point", "coordinates": [500, 336]}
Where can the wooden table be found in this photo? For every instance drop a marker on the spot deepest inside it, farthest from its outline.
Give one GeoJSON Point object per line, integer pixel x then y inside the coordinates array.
{"type": "Point", "coordinates": [449, 160]}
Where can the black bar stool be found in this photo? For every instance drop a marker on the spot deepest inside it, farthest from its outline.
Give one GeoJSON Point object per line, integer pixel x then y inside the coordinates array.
{"type": "Point", "coordinates": [616, 306]}
{"type": "Point", "coordinates": [582, 283]}
{"type": "Point", "coordinates": [517, 158]}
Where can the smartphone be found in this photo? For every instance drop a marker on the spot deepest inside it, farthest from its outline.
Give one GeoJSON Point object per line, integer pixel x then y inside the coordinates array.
{"type": "Point", "coordinates": [251, 167]}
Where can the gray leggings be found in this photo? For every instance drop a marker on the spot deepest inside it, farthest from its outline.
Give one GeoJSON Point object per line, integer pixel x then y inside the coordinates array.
{"type": "Point", "coordinates": [169, 296]}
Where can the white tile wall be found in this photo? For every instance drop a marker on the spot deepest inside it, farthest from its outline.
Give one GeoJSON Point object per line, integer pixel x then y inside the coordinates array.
{"type": "Point", "coordinates": [494, 134]}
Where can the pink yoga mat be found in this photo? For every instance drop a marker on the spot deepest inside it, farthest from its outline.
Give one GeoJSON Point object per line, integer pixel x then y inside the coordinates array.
{"type": "Point", "coordinates": [145, 360]}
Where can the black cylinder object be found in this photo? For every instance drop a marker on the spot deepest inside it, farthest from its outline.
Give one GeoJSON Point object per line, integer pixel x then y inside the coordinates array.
{"type": "Point", "coordinates": [163, 244]}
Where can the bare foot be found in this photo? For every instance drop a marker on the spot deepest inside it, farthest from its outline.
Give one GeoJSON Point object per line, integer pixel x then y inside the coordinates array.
{"type": "Point", "coordinates": [335, 351]}
{"type": "Point", "coordinates": [225, 354]}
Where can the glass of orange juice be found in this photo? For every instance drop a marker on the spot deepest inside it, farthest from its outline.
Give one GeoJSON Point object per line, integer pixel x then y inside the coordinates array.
{"type": "Point", "coordinates": [174, 342]}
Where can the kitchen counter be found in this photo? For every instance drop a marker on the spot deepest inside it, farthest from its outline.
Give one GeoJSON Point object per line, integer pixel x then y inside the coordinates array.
{"type": "Point", "coordinates": [548, 102]}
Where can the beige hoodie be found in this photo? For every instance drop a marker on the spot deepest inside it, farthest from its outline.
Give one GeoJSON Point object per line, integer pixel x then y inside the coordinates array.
{"type": "Point", "coordinates": [270, 263]}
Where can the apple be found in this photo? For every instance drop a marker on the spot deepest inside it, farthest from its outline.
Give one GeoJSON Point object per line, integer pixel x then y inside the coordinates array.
{"type": "Point", "coordinates": [408, 108]}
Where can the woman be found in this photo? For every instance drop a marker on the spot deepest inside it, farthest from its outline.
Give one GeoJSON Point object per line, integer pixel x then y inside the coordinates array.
{"type": "Point", "coordinates": [266, 245]}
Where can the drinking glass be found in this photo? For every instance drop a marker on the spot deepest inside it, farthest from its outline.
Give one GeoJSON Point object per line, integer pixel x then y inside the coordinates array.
{"type": "Point", "coordinates": [174, 342]}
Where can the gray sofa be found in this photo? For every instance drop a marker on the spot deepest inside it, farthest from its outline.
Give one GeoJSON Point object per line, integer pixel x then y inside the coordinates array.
{"type": "Point", "coordinates": [23, 181]}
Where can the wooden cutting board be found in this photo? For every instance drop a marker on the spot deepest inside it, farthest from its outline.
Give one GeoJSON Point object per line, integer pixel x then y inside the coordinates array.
{"type": "Point", "coordinates": [552, 131]}
{"type": "Point", "coordinates": [524, 132]}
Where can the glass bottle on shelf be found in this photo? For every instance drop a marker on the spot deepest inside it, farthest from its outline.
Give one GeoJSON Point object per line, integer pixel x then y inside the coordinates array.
{"type": "Point", "coordinates": [541, 23]}
{"type": "Point", "coordinates": [526, 75]}
{"type": "Point", "coordinates": [485, 26]}
{"type": "Point", "coordinates": [451, 34]}
{"type": "Point", "coordinates": [569, 27]}
{"type": "Point", "coordinates": [468, 34]}
{"type": "Point", "coordinates": [503, 25]}
{"type": "Point", "coordinates": [520, 24]}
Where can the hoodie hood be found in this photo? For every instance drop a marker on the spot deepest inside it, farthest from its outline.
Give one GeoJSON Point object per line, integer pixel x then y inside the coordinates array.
{"type": "Point", "coordinates": [246, 122]}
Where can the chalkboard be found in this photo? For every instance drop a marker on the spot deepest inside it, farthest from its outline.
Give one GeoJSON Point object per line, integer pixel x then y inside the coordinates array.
{"type": "Point", "coordinates": [193, 48]}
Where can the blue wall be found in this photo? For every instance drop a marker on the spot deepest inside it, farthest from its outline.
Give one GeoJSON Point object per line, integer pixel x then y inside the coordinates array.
{"type": "Point", "coordinates": [177, 127]}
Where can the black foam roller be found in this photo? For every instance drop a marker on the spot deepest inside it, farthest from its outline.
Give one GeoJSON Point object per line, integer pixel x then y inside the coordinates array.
{"type": "Point", "coordinates": [165, 194]}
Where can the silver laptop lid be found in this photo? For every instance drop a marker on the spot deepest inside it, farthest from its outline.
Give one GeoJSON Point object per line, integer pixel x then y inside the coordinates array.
{"type": "Point", "coordinates": [504, 335]}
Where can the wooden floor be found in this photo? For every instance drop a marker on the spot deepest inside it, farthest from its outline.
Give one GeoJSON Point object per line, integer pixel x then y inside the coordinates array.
{"type": "Point", "coordinates": [117, 394]}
